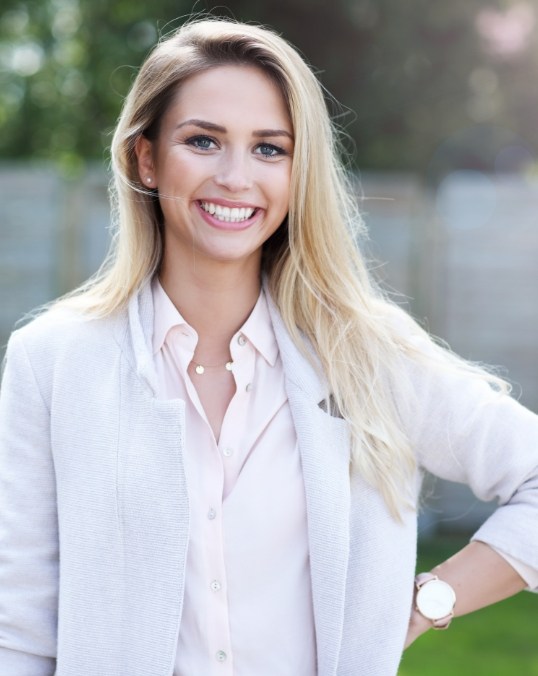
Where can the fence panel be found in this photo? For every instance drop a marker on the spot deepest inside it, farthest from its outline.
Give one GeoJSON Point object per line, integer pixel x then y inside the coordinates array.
{"type": "Point", "coordinates": [462, 258]}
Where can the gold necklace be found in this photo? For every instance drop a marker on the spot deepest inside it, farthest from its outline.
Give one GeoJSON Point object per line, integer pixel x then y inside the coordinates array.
{"type": "Point", "coordinates": [200, 368]}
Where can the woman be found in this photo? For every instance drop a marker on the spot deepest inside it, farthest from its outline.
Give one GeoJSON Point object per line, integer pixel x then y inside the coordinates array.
{"type": "Point", "coordinates": [211, 452]}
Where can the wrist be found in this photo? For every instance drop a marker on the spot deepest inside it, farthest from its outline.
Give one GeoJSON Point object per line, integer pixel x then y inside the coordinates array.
{"type": "Point", "coordinates": [434, 600]}
{"type": "Point", "coordinates": [418, 625]}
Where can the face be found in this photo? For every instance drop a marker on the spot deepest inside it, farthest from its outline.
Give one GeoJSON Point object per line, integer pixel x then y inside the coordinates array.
{"type": "Point", "coordinates": [222, 165]}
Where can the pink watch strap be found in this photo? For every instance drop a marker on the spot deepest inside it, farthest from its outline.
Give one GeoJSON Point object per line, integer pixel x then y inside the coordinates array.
{"type": "Point", "coordinates": [443, 622]}
{"type": "Point", "coordinates": [422, 578]}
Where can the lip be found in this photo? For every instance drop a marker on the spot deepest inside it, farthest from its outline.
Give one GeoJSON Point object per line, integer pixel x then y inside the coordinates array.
{"type": "Point", "coordinates": [226, 225]}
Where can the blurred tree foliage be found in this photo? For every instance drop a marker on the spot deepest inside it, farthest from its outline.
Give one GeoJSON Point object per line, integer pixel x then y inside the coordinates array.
{"type": "Point", "coordinates": [423, 85]}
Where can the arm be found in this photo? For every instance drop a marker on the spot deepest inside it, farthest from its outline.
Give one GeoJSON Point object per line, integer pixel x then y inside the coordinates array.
{"type": "Point", "coordinates": [464, 431]}
{"type": "Point", "coordinates": [479, 576]}
{"type": "Point", "coordinates": [28, 524]}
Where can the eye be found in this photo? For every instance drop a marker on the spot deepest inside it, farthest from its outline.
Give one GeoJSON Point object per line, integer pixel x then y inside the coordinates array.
{"type": "Point", "coordinates": [201, 142]}
{"type": "Point", "coordinates": [269, 150]}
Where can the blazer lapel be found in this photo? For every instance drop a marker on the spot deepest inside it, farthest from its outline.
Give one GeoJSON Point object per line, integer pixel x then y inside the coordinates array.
{"type": "Point", "coordinates": [152, 503]}
{"type": "Point", "coordinates": [324, 444]}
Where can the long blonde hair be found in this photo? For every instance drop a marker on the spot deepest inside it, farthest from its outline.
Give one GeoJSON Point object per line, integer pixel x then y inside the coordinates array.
{"type": "Point", "coordinates": [316, 274]}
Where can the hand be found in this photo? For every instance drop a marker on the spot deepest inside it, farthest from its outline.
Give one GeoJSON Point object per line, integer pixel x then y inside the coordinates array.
{"type": "Point", "coordinates": [418, 625]}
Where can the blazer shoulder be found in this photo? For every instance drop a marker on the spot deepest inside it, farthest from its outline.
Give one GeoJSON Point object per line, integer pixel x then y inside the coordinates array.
{"type": "Point", "coordinates": [61, 333]}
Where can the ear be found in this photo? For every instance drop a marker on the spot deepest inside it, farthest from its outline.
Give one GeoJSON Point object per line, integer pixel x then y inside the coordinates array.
{"type": "Point", "coordinates": [146, 167]}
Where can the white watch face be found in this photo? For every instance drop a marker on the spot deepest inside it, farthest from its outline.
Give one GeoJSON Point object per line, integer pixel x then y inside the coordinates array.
{"type": "Point", "coordinates": [435, 599]}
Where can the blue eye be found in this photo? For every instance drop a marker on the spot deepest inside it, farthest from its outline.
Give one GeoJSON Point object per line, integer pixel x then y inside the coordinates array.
{"type": "Point", "coordinates": [201, 142]}
{"type": "Point", "coordinates": [269, 150]}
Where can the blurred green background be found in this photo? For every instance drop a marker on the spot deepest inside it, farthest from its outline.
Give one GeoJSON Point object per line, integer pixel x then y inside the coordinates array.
{"type": "Point", "coordinates": [410, 76]}
{"type": "Point", "coordinates": [424, 89]}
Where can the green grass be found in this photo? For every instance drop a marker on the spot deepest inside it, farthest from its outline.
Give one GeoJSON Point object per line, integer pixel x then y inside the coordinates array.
{"type": "Point", "coordinates": [501, 640]}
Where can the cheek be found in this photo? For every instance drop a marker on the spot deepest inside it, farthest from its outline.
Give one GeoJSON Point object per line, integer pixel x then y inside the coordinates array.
{"type": "Point", "coordinates": [279, 184]}
{"type": "Point", "coordinates": [183, 171]}
{"type": "Point", "coordinates": [284, 192]}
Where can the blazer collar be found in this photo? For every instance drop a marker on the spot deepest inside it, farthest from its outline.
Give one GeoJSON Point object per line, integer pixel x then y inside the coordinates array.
{"type": "Point", "coordinates": [140, 313]}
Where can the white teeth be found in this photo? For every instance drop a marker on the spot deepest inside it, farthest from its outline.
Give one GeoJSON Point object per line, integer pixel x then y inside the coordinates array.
{"type": "Point", "coordinates": [227, 214]}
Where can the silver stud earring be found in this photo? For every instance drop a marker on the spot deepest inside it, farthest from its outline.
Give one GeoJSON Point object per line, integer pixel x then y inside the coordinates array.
{"type": "Point", "coordinates": [149, 179]}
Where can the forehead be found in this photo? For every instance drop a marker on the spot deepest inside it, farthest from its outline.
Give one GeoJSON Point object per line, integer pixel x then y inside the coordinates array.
{"type": "Point", "coordinates": [233, 93]}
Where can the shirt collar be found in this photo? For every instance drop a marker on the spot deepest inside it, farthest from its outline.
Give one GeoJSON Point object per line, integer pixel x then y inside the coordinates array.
{"type": "Point", "coordinates": [166, 316]}
{"type": "Point", "coordinates": [258, 327]}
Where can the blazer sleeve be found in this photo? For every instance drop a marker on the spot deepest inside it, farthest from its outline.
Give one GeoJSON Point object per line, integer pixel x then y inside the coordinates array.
{"type": "Point", "coordinates": [28, 523]}
{"type": "Point", "coordinates": [466, 431]}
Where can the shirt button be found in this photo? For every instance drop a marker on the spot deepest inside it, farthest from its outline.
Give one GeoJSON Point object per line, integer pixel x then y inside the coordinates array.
{"type": "Point", "coordinates": [215, 585]}
{"type": "Point", "coordinates": [248, 387]}
{"type": "Point", "coordinates": [211, 514]}
{"type": "Point", "coordinates": [241, 339]}
{"type": "Point", "coordinates": [221, 656]}
{"type": "Point", "coordinates": [227, 451]}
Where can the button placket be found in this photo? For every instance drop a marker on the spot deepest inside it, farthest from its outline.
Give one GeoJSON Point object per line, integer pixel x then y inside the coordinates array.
{"type": "Point", "coordinates": [217, 637]}
{"type": "Point", "coordinates": [233, 439]}
{"type": "Point", "coordinates": [229, 450]}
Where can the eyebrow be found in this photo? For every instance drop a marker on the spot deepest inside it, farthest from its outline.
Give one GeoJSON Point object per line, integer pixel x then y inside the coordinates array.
{"type": "Point", "coordinates": [210, 126]}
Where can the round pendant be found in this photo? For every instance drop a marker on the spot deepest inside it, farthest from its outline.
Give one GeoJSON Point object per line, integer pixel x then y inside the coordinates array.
{"type": "Point", "coordinates": [228, 365]}
{"type": "Point", "coordinates": [199, 369]}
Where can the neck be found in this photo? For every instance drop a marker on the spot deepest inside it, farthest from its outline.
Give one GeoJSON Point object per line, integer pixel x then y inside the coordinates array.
{"type": "Point", "coordinates": [215, 302]}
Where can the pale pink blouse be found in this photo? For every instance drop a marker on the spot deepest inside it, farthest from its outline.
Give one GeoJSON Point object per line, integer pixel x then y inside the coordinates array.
{"type": "Point", "coordinates": [248, 602]}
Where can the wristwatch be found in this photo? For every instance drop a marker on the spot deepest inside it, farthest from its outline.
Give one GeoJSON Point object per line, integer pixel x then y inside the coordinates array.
{"type": "Point", "coordinates": [435, 600]}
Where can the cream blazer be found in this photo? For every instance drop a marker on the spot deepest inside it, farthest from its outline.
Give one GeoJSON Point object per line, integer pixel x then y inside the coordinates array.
{"type": "Point", "coordinates": [94, 513]}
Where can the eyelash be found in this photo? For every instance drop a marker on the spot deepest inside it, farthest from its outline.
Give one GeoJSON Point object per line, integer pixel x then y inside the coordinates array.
{"type": "Point", "coordinates": [277, 149]}
{"type": "Point", "coordinates": [194, 141]}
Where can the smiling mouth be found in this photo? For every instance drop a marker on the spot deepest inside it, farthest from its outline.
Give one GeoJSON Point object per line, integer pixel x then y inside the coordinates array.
{"type": "Point", "coordinates": [228, 214]}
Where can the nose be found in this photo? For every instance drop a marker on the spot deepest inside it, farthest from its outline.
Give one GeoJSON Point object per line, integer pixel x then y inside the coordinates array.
{"type": "Point", "coordinates": [234, 172]}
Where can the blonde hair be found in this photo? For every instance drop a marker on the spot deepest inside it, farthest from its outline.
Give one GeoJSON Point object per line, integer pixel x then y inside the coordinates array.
{"type": "Point", "coordinates": [316, 274]}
